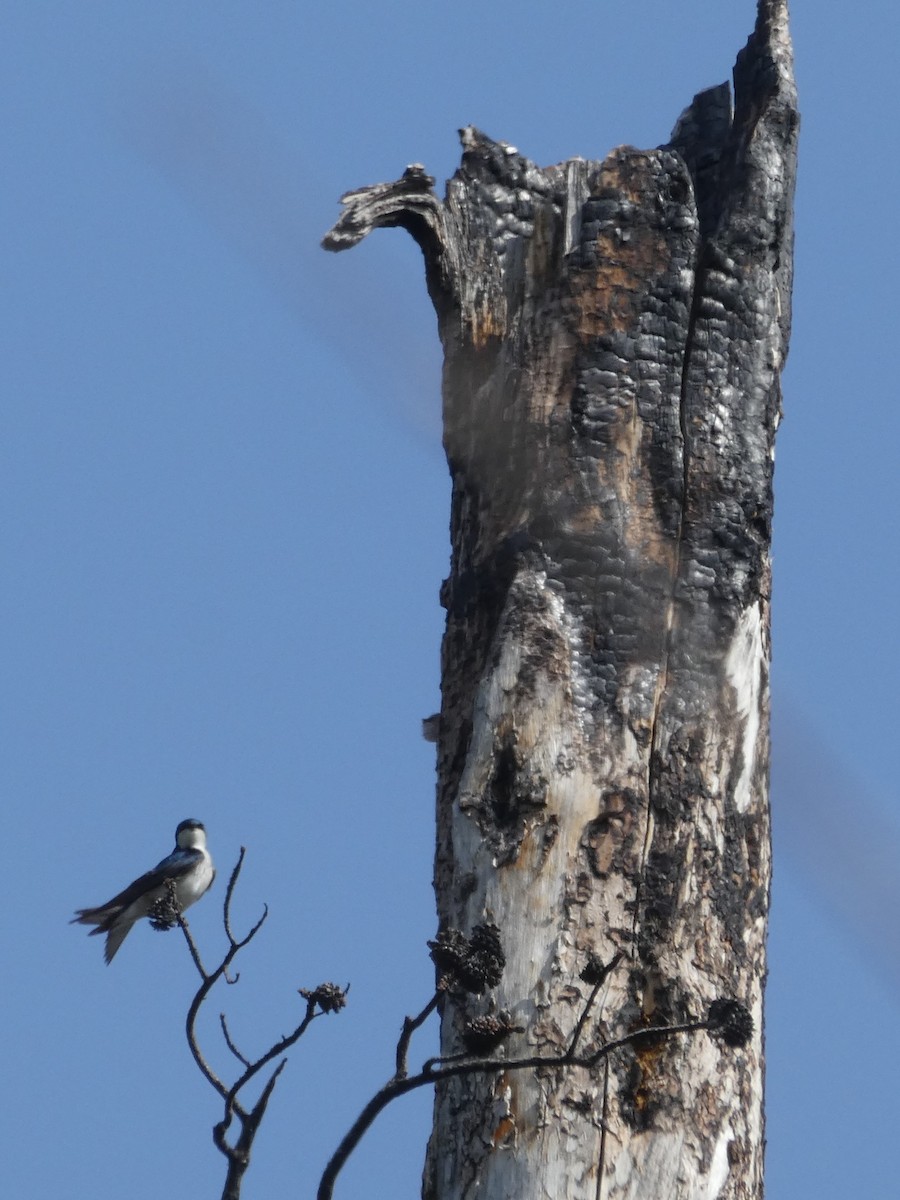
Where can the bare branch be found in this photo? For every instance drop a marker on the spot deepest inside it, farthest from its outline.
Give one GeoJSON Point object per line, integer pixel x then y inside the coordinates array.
{"type": "Point", "coordinates": [239, 1155]}
{"type": "Point", "coordinates": [230, 1043]}
{"type": "Point", "coordinates": [324, 998]}
{"type": "Point", "coordinates": [202, 992]}
{"type": "Point", "coordinates": [238, 944]}
{"type": "Point", "coordinates": [262, 1103]}
{"type": "Point", "coordinates": [597, 974]}
{"type": "Point", "coordinates": [410, 1025]}
{"type": "Point", "coordinates": [210, 979]}
{"type": "Point", "coordinates": [192, 946]}
{"type": "Point", "coordinates": [582, 1020]}
{"type": "Point", "coordinates": [273, 1052]}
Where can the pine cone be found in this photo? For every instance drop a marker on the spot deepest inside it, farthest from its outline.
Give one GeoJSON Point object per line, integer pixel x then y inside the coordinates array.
{"type": "Point", "coordinates": [328, 996]}
{"type": "Point", "coordinates": [483, 1034]}
{"type": "Point", "coordinates": [731, 1021]}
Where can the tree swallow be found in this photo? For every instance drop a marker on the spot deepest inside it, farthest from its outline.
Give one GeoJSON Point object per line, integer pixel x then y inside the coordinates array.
{"type": "Point", "coordinates": [190, 869]}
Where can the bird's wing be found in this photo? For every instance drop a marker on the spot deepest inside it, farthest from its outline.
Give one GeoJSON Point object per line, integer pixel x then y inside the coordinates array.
{"type": "Point", "coordinates": [178, 863]}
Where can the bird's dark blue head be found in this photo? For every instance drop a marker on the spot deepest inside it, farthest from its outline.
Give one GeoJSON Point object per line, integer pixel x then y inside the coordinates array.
{"type": "Point", "coordinates": [190, 834]}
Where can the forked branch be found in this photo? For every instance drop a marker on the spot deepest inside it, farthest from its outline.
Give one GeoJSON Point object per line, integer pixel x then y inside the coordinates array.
{"type": "Point", "coordinates": [327, 997]}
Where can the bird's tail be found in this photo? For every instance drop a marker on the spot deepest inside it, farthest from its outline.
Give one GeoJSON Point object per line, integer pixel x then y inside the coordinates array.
{"type": "Point", "coordinates": [107, 919]}
{"type": "Point", "coordinates": [101, 917]}
{"type": "Point", "coordinates": [114, 938]}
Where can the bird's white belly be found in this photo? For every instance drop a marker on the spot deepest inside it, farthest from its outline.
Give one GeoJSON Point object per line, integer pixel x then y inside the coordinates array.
{"type": "Point", "coordinates": [189, 889]}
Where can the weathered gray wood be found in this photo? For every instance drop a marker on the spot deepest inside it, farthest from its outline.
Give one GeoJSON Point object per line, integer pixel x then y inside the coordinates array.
{"type": "Point", "coordinates": [613, 335]}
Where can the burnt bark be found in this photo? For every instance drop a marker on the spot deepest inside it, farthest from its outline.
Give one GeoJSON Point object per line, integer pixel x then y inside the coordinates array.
{"type": "Point", "coordinates": [613, 335]}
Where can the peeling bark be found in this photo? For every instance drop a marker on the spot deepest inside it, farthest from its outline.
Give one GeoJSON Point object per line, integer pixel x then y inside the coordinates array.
{"type": "Point", "coordinates": [613, 335]}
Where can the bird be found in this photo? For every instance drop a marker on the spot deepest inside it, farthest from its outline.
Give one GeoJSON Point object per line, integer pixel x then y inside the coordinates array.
{"type": "Point", "coordinates": [187, 872]}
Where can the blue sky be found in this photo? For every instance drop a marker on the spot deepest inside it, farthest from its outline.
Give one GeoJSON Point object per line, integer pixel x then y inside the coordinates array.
{"type": "Point", "coordinates": [224, 525]}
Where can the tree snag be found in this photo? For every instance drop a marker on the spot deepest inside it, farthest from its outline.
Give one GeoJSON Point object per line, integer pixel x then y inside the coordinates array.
{"type": "Point", "coordinates": [613, 335]}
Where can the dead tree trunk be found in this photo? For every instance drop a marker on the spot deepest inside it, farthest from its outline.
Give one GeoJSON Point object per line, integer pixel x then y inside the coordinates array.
{"type": "Point", "coordinates": [613, 335]}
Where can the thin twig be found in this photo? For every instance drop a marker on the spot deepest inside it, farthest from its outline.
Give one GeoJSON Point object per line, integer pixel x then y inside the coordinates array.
{"type": "Point", "coordinates": [229, 1042]}
{"type": "Point", "coordinates": [604, 1130]}
{"type": "Point", "coordinates": [441, 1060]}
{"type": "Point", "coordinates": [410, 1025]}
{"type": "Point", "coordinates": [229, 892]}
{"type": "Point", "coordinates": [259, 1108]}
{"type": "Point", "coordinates": [279, 1048]}
{"type": "Point", "coordinates": [192, 945]}
{"type": "Point", "coordinates": [582, 1020]}
{"type": "Point", "coordinates": [191, 1030]}
{"type": "Point", "coordinates": [239, 943]}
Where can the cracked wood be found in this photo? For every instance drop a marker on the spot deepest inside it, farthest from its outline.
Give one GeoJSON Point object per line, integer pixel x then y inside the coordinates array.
{"type": "Point", "coordinates": [613, 335]}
